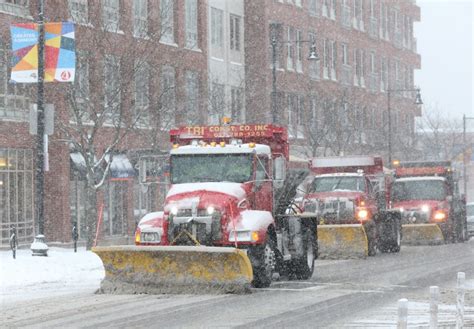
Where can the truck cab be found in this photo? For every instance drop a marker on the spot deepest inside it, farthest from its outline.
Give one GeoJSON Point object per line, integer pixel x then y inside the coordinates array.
{"type": "Point", "coordinates": [223, 185]}
{"type": "Point", "coordinates": [427, 193]}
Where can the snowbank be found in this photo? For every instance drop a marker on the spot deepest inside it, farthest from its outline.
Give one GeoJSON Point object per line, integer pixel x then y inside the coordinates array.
{"type": "Point", "coordinates": [62, 272]}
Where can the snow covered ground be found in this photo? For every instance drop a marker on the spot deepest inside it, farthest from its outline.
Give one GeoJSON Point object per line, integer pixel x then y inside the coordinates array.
{"type": "Point", "coordinates": [63, 272]}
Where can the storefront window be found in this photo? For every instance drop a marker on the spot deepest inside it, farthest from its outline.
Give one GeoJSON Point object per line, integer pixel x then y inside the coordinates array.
{"type": "Point", "coordinates": [16, 194]}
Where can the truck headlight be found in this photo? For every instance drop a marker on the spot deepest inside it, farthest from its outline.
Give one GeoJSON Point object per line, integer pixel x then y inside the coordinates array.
{"type": "Point", "coordinates": [153, 237]}
{"type": "Point", "coordinates": [210, 210]}
{"type": "Point", "coordinates": [362, 215]}
{"type": "Point", "coordinates": [439, 216]}
{"type": "Point", "coordinates": [425, 208]}
{"type": "Point", "coordinates": [243, 236]}
{"type": "Point", "coordinates": [174, 210]}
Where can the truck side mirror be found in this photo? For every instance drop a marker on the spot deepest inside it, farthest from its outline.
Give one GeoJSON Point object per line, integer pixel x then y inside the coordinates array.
{"type": "Point", "coordinates": [279, 171]}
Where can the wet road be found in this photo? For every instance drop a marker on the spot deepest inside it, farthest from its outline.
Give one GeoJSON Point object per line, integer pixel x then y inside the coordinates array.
{"type": "Point", "coordinates": [338, 293]}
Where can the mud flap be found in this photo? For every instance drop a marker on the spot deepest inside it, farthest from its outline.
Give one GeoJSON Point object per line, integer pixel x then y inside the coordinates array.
{"type": "Point", "coordinates": [342, 241]}
{"type": "Point", "coordinates": [422, 234]}
{"type": "Point", "coordinates": [174, 269]}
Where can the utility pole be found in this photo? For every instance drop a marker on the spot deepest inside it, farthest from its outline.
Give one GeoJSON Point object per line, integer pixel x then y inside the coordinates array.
{"type": "Point", "coordinates": [274, 90]}
{"type": "Point", "coordinates": [39, 177]}
{"type": "Point", "coordinates": [464, 143]}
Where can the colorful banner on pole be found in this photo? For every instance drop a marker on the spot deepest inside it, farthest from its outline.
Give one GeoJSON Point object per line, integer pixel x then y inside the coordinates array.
{"type": "Point", "coordinates": [59, 52]}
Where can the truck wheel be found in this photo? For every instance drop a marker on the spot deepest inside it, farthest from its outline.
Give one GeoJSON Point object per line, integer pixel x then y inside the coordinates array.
{"type": "Point", "coordinates": [263, 263]}
{"type": "Point", "coordinates": [371, 240]}
{"type": "Point", "coordinates": [393, 242]}
{"type": "Point", "coordinates": [302, 268]}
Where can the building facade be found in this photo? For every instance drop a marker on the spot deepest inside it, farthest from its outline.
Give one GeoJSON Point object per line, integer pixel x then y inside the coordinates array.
{"type": "Point", "coordinates": [141, 68]}
{"type": "Point", "coordinates": [146, 66]}
{"type": "Point", "coordinates": [339, 104]}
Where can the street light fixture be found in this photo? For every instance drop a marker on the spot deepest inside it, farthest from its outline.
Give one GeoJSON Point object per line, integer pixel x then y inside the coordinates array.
{"type": "Point", "coordinates": [313, 56]}
{"type": "Point", "coordinates": [418, 101]}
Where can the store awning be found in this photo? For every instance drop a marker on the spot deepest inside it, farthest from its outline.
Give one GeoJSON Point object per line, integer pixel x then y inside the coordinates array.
{"type": "Point", "coordinates": [78, 164]}
{"type": "Point", "coordinates": [121, 167]}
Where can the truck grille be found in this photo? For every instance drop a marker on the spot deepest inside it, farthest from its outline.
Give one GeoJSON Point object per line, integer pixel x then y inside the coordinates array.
{"type": "Point", "coordinates": [205, 228]}
{"type": "Point", "coordinates": [415, 216]}
{"type": "Point", "coordinates": [338, 210]}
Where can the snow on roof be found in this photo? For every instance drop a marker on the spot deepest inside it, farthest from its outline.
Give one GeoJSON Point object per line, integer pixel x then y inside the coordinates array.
{"type": "Point", "coordinates": [341, 175]}
{"type": "Point", "coordinates": [227, 149]}
{"type": "Point", "coordinates": [233, 189]}
{"type": "Point", "coordinates": [351, 161]}
{"type": "Point", "coordinates": [420, 178]}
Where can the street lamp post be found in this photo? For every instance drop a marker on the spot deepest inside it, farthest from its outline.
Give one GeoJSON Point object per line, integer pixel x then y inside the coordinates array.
{"type": "Point", "coordinates": [464, 142]}
{"type": "Point", "coordinates": [313, 56]}
{"type": "Point", "coordinates": [418, 101]}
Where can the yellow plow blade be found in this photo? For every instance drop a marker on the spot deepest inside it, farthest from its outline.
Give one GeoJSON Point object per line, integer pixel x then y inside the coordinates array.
{"type": "Point", "coordinates": [174, 269]}
{"type": "Point", "coordinates": [421, 234]}
{"type": "Point", "coordinates": [342, 241]}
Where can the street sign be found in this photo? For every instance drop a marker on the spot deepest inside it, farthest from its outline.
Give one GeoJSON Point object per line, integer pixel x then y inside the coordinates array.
{"type": "Point", "coordinates": [48, 119]}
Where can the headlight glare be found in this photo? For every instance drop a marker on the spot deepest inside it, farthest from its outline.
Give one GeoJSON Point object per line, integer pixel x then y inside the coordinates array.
{"type": "Point", "coordinates": [210, 210]}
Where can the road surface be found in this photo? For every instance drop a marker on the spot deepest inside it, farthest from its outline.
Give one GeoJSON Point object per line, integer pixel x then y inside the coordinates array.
{"type": "Point", "coordinates": [339, 293]}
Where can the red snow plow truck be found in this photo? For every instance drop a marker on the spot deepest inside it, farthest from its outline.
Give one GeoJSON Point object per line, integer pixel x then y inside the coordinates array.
{"type": "Point", "coordinates": [350, 197]}
{"type": "Point", "coordinates": [427, 194]}
{"type": "Point", "coordinates": [224, 225]}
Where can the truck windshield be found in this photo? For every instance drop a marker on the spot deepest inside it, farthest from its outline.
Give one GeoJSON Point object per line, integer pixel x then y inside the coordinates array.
{"type": "Point", "coordinates": [339, 183]}
{"type": "Point", "coordinates": [193, 168]}
{"type": "Point", "coordinates": [418, 190]}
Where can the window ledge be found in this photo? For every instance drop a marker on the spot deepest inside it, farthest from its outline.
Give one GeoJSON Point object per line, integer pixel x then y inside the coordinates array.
{"type": "Point", "coordinates": [143, 37]}
{"type": "Point", "coordinates": [87, 24]}
{"type": "Point", "coordinates": [17, 120]}
{"type": "Point", "coordinates": [166, 43]}
{"type": "Point", "coordinates": [235, 63]}
{"type": "Point", "coordinates": [217, 59]}
{"type": "Point", "coordinates": [197, 50]}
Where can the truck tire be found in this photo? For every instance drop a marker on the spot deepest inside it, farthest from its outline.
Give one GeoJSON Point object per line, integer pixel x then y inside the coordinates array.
{"type": "Point", "coordinates": [392, 242]}
{"type": "Point", "coordinates": [302, 268]}
{"type": "Point", "coordinates": [262, 258]}
{"type": "Point", "coordinates": [371, 232]}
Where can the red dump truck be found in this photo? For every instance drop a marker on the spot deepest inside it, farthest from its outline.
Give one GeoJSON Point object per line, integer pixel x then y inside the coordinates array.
{"type": "Point", "coordinates": [350, 196]}
{"type": "Point", "coordinates": [230, 187]}
{"type": "Point", "coordinates": [427, 194]}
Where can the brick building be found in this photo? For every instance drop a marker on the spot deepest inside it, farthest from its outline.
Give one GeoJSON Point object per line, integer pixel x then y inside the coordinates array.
{"type": "Point", "coordinates": [339, 103]}
{"type": "Point", "coordinates": [158, 64]}
{"type": "Point", "coordinates": [133, 57]}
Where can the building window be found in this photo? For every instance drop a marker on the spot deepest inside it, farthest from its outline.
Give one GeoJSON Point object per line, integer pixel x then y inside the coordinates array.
{"type": "Point", "coordinates": [217, 17]}
{"type": "Point", "coordinates": [191, 17]}
{"type": "Point", "coordinates": [333, 9]}
{"type": "Point", "coordinates": [16, 194]}
{"type": "Point", "coordinates": [14, 100]}
{"type": "Point", "coordinates": [115, 212]}
{"type": "Point", "coordinates": [326, 8]}
{"type": "Point", "coordinates": [168, 97]}
{"type": "Point", "coordinates": [112, 89]}
{"type": "Point", "coordinates": [140, 18]}
{"type": "Point", "coordinates": [326, 59]}
{"type": "Point", "coordinates": [313, 7]}
{"type": "Point", "coordinates": [192, 115]}
{"type": "Point", "coordinates": [167, 21]}
{"type": "Point", "coordinates": [15, 7]}
{"type": "Point", "coordinates": [79, 11]}
{"type": "Point", "coordinates": [110, 15]}
{"type": "Point", "coordinates": [142, 93]}
{"type": "Point", "coordinates": [290, 51]}
{"type": "Point", "coordinates": [216, 103]}
{"type": "Point", "coordinates": [235, 32]}
{"type": "Point", "coordinates": [333, 60]}
{"type": "Point", "coordinates": [358, 19]}
{"type": "Point", "coordinates": [81, 89]}
{"type": "Point", "coordinates": [299, 52]}
{"type": "Point", "coordinates": [237, 105]}
{"type": "Point", "coordinates": [383, 75]}
{"type": "Point", "coordinates": [344, 54]}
